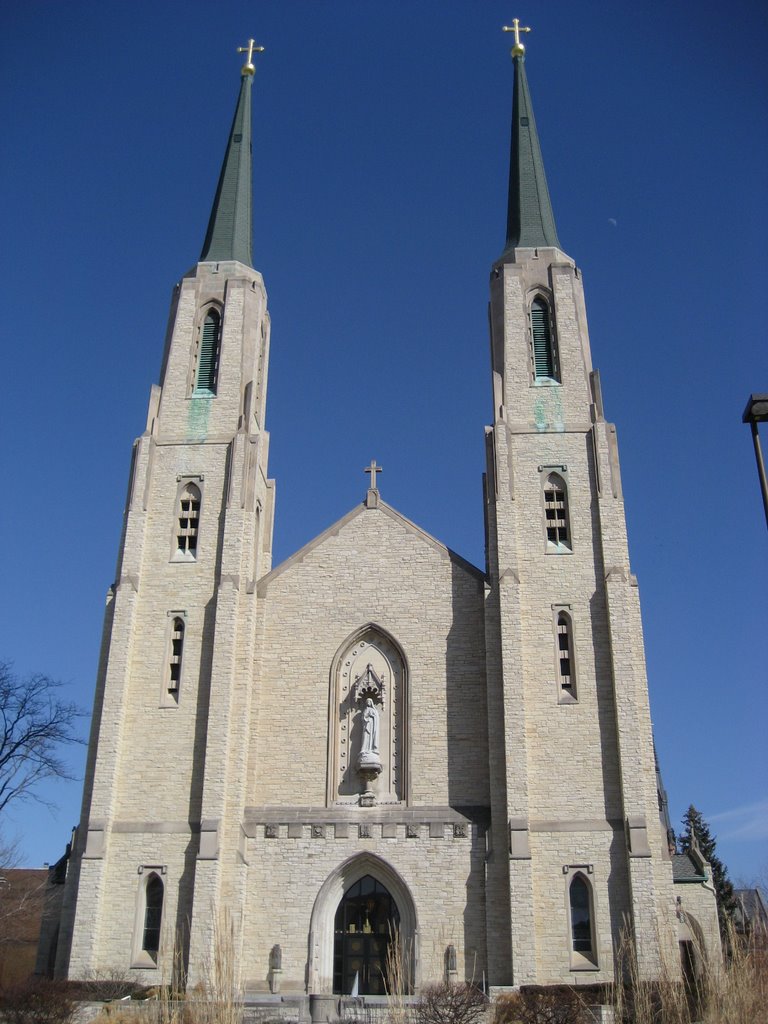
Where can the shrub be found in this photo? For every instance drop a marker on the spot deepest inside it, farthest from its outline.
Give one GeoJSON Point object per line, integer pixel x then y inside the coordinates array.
{"type": "Point", "coordinates": [37, 1001]}
{"type": "Point", "coordinates": [450, 1003]}
{"type": "Point", "coordinates": [555, 1005]}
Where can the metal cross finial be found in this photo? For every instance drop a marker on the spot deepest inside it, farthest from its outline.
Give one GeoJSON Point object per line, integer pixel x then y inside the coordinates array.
{"type": "Point", "coordinates": [373, 469]}
{"type": "Point", "coordinates": [518, 49]}
{"type": "Point", "coordinates": [249, 68]}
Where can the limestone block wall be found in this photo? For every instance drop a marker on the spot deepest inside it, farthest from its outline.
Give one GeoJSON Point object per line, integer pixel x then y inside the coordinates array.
{"type": "Point", "coordinates": [599, 853]}
{"type": "Point", "coordinates": [165, 739]}
{"type": "Point", "coordinates": [374, 567]}
{"type": "Point", "coordinates": [528, 404]}
{"type": "Point", "coordinates": [697, 919]}
{"type": "Point", "coordinates": [116, 939]}
{"type": "Point", "coordinates": [239, 292]}
{"type": "Point", "coordinates": [443, 873]}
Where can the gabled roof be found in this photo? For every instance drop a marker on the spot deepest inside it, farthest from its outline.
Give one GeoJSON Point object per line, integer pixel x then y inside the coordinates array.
{"type": "Point", "coordinates": [684, 869]}
{"type": "Point", "coordinates": [751, 908]}
{"type": "Point", "coordinates": [362, 509]}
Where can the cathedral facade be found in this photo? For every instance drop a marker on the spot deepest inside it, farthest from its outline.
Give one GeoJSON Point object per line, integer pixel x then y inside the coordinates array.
{"type": "Point", "coordinates": [374, 738]}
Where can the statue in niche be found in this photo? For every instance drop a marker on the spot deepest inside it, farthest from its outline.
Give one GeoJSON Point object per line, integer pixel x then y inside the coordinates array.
{"type": "Point", "coordinates": [369, 765]}
{"type": "Point", "coordinates": [370, 743]}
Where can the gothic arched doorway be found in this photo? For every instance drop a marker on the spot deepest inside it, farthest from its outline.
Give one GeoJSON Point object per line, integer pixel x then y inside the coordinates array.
{"type": "Point", "coordinates": [342, 883]}
{"type": "Point", "coordinates": [367, 921]}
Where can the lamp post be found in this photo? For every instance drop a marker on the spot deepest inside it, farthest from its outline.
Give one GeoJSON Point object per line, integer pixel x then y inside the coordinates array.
{"type": "Point", "coordinates": [757, 412]}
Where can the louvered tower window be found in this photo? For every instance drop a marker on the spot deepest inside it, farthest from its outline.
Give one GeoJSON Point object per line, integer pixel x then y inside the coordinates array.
{"type": "Point", "coordinates": [565, 655]}
{"type": "Point", "coordinates": [556, 512]}
{"type": "Point", "coordinates": [207, 370]}
{"type": "Point", "coordinates": [177, 652]}
{"type": "Point", "coordinates": [544, 356]}
{"type": "Point", "coordinates": [189, 521]}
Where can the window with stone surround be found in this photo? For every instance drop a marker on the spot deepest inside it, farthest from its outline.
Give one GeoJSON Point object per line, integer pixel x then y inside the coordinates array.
{"type": "Point", "coordinates": [208, 354]}
{"type": "Point", "coordinates": [175, 657]}
{"type": "Point", "coordinates": [581, 919]}
{"type": "Point", "coordinates": [543, 347]}
{"type": "Point", "coordinates": [153, 915]}
{"type": "Point", "coordinates": [149, 917]}
{"type": "Point", "coordinates": [566, 668]}
{"type": "Point", "coordinates": [556, 518]}
{"type": "Point", "coordinates": [188, 522]}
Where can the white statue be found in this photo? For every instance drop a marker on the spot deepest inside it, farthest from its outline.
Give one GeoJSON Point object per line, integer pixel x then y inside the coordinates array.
{"type": "Point", "coordinates": [370, 744]}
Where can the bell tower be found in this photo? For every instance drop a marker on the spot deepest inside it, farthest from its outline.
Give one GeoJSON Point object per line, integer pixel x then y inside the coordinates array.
{"type": "Point", "coordinates": [180, 623]}
{"type": "Point", "coordinates": [574, 806]}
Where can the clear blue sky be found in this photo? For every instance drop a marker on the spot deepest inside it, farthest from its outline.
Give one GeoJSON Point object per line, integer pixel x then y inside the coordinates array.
{"type": "Point", "coordinates": [380, 163]}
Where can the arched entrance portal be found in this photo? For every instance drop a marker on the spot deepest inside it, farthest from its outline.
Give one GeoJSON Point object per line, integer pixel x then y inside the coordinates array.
{"type": "Point", "coordinates": [366, 923]}
{"type": "Point", "coordinates": [339, 893]}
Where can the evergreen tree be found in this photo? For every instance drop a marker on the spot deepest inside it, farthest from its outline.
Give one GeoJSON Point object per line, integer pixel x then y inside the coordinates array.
{"type": "Point", "coordinates": [695, 829]}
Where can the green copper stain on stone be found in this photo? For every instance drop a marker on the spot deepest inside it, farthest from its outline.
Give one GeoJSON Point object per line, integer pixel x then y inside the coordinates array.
{"type": "Point", "coordinates": [197, 419]}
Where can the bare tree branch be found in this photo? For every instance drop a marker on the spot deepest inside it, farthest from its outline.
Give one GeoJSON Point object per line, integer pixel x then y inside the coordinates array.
{"type": "Point", "coordinates": [34, 725]}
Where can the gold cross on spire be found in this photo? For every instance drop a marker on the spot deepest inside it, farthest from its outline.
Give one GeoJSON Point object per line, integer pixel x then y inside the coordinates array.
{"type": "Point", "coordinates": [518, 49]}
{"type": "Point", "coordinates": [249, 68]}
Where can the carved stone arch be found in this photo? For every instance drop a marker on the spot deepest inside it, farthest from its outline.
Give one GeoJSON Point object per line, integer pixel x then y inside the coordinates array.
{"type": "Point", "coordinates": [542, 334]}
{"type": "Point", "coordinates": [330, 895]}
{"type": "Point", "coordinates": [369, 664]}
{"type": "Point", "coordinates": [211, 308]}
{"type": "Point", "coordinates": [693, 949]}
{"type": "Point", "coordinates": [542, 290]}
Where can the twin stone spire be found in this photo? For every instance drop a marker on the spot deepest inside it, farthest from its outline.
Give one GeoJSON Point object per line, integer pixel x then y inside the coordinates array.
{"type": "Point", "coordinates": [530, 220]}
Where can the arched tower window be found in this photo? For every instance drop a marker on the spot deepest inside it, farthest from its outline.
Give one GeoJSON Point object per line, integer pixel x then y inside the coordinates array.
{"type": "Point", "coordinates": [153, 915]}
{"type": "Point", "coordinates": [582, 921]}
{"type": "Point", "coordinates": [556, 513]}
{"type": "Point", "coordinates": [543, 341]}
{"type": "Point", "coordinates": [188, 521]}
{"type": "Point", "coordinates": [208, 351]}
{"type": "Point", "coordinates": [176, 655]}
{"type": "Point", "coordinates": [566, 669]}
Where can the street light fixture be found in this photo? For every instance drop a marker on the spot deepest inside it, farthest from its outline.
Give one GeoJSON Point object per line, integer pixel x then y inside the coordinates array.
{"type": "Point", "coordinates": [757, 412]}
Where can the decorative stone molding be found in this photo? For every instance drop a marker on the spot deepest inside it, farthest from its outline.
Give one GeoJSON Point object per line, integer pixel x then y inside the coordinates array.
{"type": "Point", "coordinates": [519, 841]}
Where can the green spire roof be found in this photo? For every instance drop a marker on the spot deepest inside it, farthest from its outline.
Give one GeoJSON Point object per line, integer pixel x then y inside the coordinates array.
{"type": "Point", "coordinates": [229, 229]}
{"type": "Point", "coordinates": [530, 221]}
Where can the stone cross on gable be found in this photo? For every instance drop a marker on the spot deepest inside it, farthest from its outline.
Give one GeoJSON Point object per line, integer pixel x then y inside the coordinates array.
{"type": "Point", "coordinates": [373, 469]}
{"type": "Point", "coordinates": [372, 498]}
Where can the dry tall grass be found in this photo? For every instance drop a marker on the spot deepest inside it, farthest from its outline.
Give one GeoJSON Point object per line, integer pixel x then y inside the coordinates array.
{"type": "Point", "coordinates": [734, 992]}
{"type": "Point", "coordinates": [217, 999]}
{"type": "Point", "coordinates": [397, 978]}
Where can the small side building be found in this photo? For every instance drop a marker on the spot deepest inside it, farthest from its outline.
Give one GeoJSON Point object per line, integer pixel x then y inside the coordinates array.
{"type": "Point", "coordinates": [698, 931]}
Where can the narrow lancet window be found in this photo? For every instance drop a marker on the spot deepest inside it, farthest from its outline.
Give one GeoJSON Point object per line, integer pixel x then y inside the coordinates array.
{"type": "Point", "coordinates": [153, 915]}
{"type": "Point", "coordinates": [556, 513]}
{"type": "Point", "coordinates": [176, 655]}
{"type": "Point", "coordinates": [543, 342]}
{"type": "Point", "coordinates": [565, 666]}
{"type": "Point", "coordinates": [189, 522]}
{"type": "Point", "coordinates": [207, 370]}
{"type": "Point", "coordinates": [581, 916]}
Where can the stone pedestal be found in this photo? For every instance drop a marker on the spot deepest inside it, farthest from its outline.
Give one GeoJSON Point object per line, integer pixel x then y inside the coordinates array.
{"type": "Point", "coordinates": [323, 1007]}
{"type": "Point", "coordinates": [369, 769]}
{"type": "Point", "coordinates": [274, 979]}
